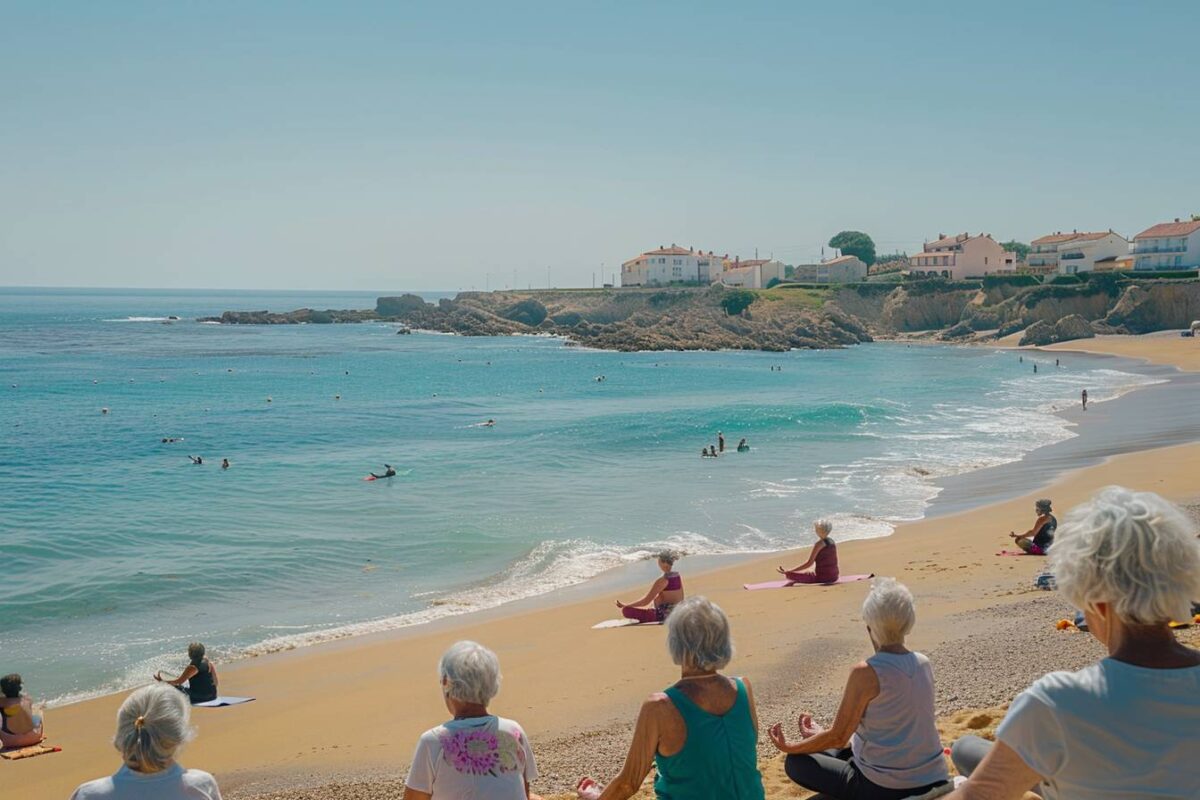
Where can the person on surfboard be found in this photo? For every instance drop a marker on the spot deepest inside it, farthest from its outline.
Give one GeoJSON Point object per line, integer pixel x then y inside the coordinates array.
{"type": "Point", "coordinates": [388, 472]}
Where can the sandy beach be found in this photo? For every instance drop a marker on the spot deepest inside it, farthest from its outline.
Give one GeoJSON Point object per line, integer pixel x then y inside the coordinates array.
{"type": "Point", "coordinates": [340, 719]}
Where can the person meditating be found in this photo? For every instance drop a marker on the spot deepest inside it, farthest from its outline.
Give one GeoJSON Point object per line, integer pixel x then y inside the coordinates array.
{"type": "Point", "coordinates": [200, 676]}
{"type": "Point", "coordinates": [664, 594]}
{"type": "Point", "coordinates": [701, 732]}
{"type": "Point", "coordinates": [886, 717]}
{"type": "Point", "coordinates": [152, 726]}
{"type": "Point", "coordinates": [19, 726]}
{"type": "Point", "coordinates": [823, 556]}
{"type": "Point", "coordinates": [1126, 726]}
{"type": "Point", "coordinates": [476, 754]}
{"type": "Point", "coordinates": [1037, 540]}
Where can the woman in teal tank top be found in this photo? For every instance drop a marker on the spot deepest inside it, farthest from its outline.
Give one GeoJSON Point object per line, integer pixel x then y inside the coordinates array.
{"type": "Point", "coordinates": [702, 732]}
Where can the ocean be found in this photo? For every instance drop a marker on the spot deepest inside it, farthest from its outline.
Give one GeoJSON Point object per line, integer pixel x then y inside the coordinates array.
{"type": "Point", "coordinates": [118, 550]}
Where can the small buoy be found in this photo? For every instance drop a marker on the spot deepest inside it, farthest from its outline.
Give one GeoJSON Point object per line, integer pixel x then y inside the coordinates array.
{"type": "Point", "coordinates": [104, 410]}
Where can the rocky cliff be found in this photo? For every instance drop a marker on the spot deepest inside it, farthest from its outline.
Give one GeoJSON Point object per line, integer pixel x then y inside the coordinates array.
{"type": "Point", "coordinates": [786, 317]}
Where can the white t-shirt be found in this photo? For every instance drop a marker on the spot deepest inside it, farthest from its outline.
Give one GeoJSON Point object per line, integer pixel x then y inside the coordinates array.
{"type": "Point", "coordinates": [173, 783]}
{"type": "Point", "coordinates": [481, 757]}
{"type": "Point", "coordinates": [1111, 730]}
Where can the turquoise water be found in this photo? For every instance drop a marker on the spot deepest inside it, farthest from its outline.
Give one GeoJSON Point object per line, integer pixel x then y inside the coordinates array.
{"type": "Point", "coordinates": [119, 551]}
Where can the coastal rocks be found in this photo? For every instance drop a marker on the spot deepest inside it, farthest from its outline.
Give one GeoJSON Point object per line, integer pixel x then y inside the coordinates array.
{"type": "Point", "coordinates": [298, 317]}
{"type": "Point", "coordinates": [1155, 307]}
{"type": "Point", "coordinates": [1066, 329]}
{"type": "Point", "coordinates": [399, 306]}
{"type": "Point", "coordinates": [527, 312]}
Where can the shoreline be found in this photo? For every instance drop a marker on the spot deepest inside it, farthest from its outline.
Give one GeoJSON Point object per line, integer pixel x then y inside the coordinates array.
{"type": "Point", "coordinates": [385, 685]}
{"type": "Point", "coordinates": [1003, 481]}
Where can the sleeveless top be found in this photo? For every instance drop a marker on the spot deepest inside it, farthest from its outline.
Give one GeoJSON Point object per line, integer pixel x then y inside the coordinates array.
{"type": "Point", "coordinates": [719, 759]}
{"type": "Point", "coordinates": [18, 726]}
{"type": "Point", "coordinates": [826, 565]}
{"type": "Point", "coordinates": [201, 688]}
{"type": "Point", "coordinates": [674, 582]}
{"type": "Point", "coordinates": [1045, 536]}
{"type": "Point", "coordinates": [897, 745]}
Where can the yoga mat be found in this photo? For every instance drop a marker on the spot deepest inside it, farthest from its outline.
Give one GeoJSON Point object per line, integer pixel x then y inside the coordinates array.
{"type": "Point", "coordinates": [1015, 553]}
{"type": "Point", "coordinates": [220, 702]}
{"type": "Point", "coordinates": [754, 587]}
{"type": "Point", "coordinates": [620, 623]}
{"type": "Point", "coordinates": [30, 752]}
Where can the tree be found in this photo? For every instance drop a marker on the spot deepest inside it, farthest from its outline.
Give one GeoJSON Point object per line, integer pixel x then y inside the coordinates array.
{"type": "Point", "coordinates": [771, 284]}
{"type": "Point", "coordinates": [736, 301]}
{"type": "Point", "coordinates": [855, 243]}
{"type": "Point", "coordinates": [1020, 248]}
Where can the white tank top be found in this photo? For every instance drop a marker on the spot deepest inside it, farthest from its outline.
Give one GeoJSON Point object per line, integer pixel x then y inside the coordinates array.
{"type": "Point", "coordinates": [897, 744]}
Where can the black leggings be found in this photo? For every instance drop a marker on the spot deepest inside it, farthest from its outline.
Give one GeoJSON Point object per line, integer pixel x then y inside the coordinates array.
{"type": "Point", "coordinates": [834, 773]}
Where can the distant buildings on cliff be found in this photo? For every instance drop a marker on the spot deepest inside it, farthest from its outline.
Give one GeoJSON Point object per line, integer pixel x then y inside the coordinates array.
{"type": "Point", "coordinates": [1163, 247]}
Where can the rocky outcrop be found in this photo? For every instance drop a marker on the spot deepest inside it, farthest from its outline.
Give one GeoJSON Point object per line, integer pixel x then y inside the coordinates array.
{"type": "Point", "coordinates": [1038, 334]}
{"type": "Point", "coordinates": [298, 317]}
{"type": "Point", "coordinates": [1155, 307]}
{"type": "Point", "coordinates": [399, 306]}
{"type": "Point", "coordinates": [1066, 329]}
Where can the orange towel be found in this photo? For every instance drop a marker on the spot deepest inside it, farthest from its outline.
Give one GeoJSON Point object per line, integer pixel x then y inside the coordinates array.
{"type": "Point", "coordinates": [30, 752]}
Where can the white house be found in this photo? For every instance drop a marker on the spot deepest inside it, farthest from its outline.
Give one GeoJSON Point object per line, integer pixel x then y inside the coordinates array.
{"type": "Point", "coordinates": [845, 269]}
{"type": "Point", "coordinates": [673, 264]}
{"type": "Point", "coordinates": [962, 256]}
{"type": "Point", "coordinates": [1169, 245]}
{"type": "Point", "coordinates": [1075, 252]}
{"type": "Point", "coordinates": [751, 274]}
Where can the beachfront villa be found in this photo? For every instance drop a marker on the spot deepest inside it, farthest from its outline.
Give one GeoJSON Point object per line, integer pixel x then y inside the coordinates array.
{"type": "Point", "coordinates": [1075, 252]}
{"type": "Point", "coordinates": [1168, 245]}
{"type": "Point", "coordinates": [754, 273]}
{"type": "Point", "coordinates": [962, 256]}
{"type": "Point", "coordinates": [673, 264]}
{"type": "Point", "coordinates": [844, 269]}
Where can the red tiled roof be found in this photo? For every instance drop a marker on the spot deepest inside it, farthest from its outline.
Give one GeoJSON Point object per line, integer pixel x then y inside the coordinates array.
{"type": "Point", "coordinates": [1170, 229]}
{"type": "Point", "coordinates": [1059, 238]}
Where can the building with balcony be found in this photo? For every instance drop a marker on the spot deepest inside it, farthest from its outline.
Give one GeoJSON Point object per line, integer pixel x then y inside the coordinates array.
{"type": "Point", "coordinates": [1075, 252]}
{"type": "Point", "coordinates": [845, 269]}
{"type": "Point", "coordinates": [1168, 245]}
{"type": "Point", "coordinates": [962, 256]}
{"type": "Point", "coordinates": [673, 264]}
{"type": "Point", "coordinates": [753, 273]}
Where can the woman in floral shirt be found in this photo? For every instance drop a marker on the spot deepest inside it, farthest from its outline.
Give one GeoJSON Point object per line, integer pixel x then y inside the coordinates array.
{"type": "Point", "coordinates": [475, 754]}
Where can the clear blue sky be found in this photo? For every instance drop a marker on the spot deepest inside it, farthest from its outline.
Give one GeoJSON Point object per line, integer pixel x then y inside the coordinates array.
{"type": "Point", "coordinates": [391, 146]}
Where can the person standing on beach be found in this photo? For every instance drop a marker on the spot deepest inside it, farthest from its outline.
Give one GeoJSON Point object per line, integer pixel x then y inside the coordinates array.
{"type": "Point", "coordinates": [721, 441]}
{"type": "Point", "coordinates": [1083, 397]}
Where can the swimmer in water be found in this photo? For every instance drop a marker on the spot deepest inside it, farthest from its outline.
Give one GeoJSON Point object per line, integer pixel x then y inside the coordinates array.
{"type": "Point", "coordinates": [224, 463]}
{"type": "Point", "coordinates": [196, 459]}
{"type": "Point", "coordinates": [743, 447]}
{"type": "Point", "coordinates": [388, 472]}
{"type": "Point", "coordinates": [489, 423]}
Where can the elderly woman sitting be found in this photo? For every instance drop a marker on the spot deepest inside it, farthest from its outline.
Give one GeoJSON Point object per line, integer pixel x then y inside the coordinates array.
{"type": "Point", "coordinates": [886, 717]}
{"type": "Point", "coordinates": [475, 754]}
{"type": "Point", "coordinates": [152, 725]}
{"type": "Point", "coordinates": [1128, 725]}
{"type": "Point", "coordinates": [702, 732]}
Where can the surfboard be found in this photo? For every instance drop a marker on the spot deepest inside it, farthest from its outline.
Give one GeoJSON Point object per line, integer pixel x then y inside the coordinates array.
{"type": "Point", "coordinates": [370, 478]}
{"type": "Point", "coordinates": [785, 584]}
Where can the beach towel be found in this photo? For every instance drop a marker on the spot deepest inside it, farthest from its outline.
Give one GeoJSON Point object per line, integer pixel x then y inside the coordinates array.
{"type": "Point", "coordinates": [620, 623]}
{"type": "Point", "coordinates": [220, 702]}
{"type": "Point", "coordinates": [784, 584]}
{"type": "Point", "coordinates": [30, 752]}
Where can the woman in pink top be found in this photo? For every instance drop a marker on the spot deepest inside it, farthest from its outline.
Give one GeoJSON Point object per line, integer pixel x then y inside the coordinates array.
{"type": "Point", "coordinates": [823, 558]}
{"type": "Point", "coordinates": [664, 595]}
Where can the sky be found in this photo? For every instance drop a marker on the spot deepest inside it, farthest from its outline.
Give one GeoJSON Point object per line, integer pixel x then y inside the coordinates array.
{"type": "Point", "coordinates": [444, 146]}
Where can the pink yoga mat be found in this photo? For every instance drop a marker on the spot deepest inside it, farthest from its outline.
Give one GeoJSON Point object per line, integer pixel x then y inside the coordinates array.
{"type": "Point", "coordinates": [754, 587]}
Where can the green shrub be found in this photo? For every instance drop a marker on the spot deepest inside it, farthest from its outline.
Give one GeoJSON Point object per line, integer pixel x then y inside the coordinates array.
{"type": "Point", "coordinates": [1065, 280]}
{"type": "Point", "coordinates": [1016, 281]}
{"type": "Point", "coordinates": [736, 301]}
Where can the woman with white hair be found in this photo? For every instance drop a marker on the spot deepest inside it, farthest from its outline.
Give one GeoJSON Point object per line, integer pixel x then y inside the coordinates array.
{"type": "Point", "coordinates": [152, 725]}
{"type": "Point", "coordinates": [475, 754]}
{"type": "Point", "coordinates": [823, 558]}
{"type": "Point", "coordinates": [886, 718]}
{"type": "Point", "coordinates": [663, 596]}
{"type": "Point", "coordinates": [1127, 726]}
{"type": "Point", "coordinates": [701, 732]}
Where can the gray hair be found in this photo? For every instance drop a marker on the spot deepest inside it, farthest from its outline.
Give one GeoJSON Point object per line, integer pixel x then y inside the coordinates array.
{"type": "Point", "coordinates": [152, 724]}
{"type": "Point", "coordinates": [824, 525]}
{"type": "Point", "coordinates": [889, 611]}
{"type": "Point", "coordinates": [698, 635]}
{"type": "Point", "coordinates": [470, 673]}
{"type": "Point", "coordinates": [1133, 550]}
{"type": "Point", "coordinates": [668, 557]}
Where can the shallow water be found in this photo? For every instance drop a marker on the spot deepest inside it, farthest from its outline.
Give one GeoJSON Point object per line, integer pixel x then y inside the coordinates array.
{"type": "Point", "coordinates": [119, 551]}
